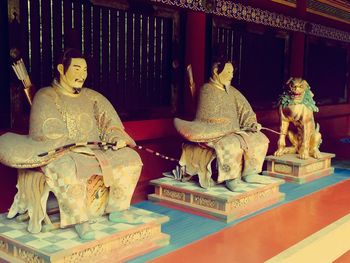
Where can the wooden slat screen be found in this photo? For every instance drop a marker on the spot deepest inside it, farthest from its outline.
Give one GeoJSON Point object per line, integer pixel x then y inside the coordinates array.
{"type": "Point", "coordinates": [129, 51]}
{"type": "Point", "coordinates": [263, 68]}
{"type": "Point", "coordinates": [326, 66]}
{"type": "Point", "coordinates": [5, 102]}
{"type": "Point", "coordinates": [225, 37]}
{"type": "Point", "coordinates": [261, 57]}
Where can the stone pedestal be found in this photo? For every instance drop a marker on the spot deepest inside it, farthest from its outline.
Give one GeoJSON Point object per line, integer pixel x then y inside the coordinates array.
{"type": "Point", "coordinates": [114, 242]}
{"type": "Point", "coordinates": [217, 201]}
{"type": "Point", "coordinates": [290, 168]}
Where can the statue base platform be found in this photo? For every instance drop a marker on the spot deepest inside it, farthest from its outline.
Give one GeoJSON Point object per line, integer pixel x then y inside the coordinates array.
{"type": "Point", "coordinates": [292, 169]}
{"type": "Point", "coordinates": [218, 201]}
{"type": "Point", "coordinates": [113, 241]}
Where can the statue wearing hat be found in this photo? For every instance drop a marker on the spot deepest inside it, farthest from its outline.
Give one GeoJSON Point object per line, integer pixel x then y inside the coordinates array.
{"type": "Point", "coordinates": [65, 115]}
{"type": "Point", "coordinates": [226, 123]}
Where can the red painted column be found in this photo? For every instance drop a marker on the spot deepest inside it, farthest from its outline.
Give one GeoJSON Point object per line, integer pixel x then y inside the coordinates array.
{"type": "Point", "coordinates": [194, 55]}
{"type": "Point", "coordinates": [298, 44]}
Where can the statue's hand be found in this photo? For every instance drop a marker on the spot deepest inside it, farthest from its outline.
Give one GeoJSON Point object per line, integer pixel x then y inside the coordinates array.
{"type": "Point", "coordinates": [256, 127]}
{"type": "Point", "coordinates": [121, 138]}
{"type": "Point", "coordinates": [83, 150]}
{"type": "Point", "coordinates": [119, 143]}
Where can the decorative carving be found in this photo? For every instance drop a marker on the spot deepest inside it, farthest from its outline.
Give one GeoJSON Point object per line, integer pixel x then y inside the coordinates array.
{"type": "Point", "coordinates": [314, 167]}
{"type": "Point", "coordinates": [202, 201]}
{"type": "Point", "coordinates": [283, 168]}
{"type": "Point", "coordinates": [328, 32]}
{"type": "Point", "coordinates": [267, 192]}
{"type": "Point", "coordinates": [136, 236]}
{"type": "Point", "coordinates": [258, 16]}
{"type": "Point", "coordinates": [209, 5]}
{"type": "Point", "coordinates": [238, 203]}
{"type": "Point", "coordinates": [27, 256]}
{"type": "Point", "coordinates": [174, 194]}
{"type": "Point", "coordinates": [4, 246]}
{"type": "Point", "coordinates": [86, 254]}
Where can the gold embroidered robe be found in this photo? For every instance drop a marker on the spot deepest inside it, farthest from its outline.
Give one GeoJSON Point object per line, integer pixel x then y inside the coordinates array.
{"type": "Point", "coordinates": [56, 120]}
{"type": "Point", "coordinates": [225, 121]}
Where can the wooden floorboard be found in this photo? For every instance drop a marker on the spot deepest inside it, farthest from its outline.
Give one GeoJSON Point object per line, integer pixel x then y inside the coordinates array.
{"type": "Point", "coordinates": [260, 238]}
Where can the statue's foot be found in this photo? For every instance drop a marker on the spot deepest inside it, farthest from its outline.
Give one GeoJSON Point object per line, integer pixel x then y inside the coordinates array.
{"type": "Point", "coordinates": [207, 184]}
{"type": "Point", "coordinates": [258, 179]}
{"type": "Point", "coordinates": [235, 185]}
{"type": "Point", "coordinates": [212, 182]}
{"type": "Point", "coordinates": [304, 155]}
{"type": "Point", "coordinates": [126, 217]}
{"type": "Point", "coordinates": [84, 231]}
{"type": "Point", "coordinates": [279, 152]}
{"type": "Point", "coordinates": [22, 217]}
{"type": "Point", "coordinates": [48, 228]}
{"type": "Point", "coordinates": [316, 154]}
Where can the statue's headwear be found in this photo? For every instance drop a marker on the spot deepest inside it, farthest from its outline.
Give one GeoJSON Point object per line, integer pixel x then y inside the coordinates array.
{"type": "Point", "coordinates": [66, 58]}
{"type": "Point", "coordinates": [220, 58]}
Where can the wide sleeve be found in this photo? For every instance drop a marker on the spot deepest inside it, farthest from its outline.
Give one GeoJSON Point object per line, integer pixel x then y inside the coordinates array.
{"type": "Point", "coordinates": [47, 131]}
{"type": "Point", "coordinates": [46, 120]}
{"type": "Point", "coordinates": [246, 115]}
{"type": "Point", "coordinates": [209, 107]}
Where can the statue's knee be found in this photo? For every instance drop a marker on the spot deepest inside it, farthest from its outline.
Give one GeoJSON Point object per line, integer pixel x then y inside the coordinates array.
{"type": "Point", "coordinates": [63, 169]}
{"type": "Point", "coordinates": [76, 191]}
{"type": "Point", "coordinates": [262, 138]}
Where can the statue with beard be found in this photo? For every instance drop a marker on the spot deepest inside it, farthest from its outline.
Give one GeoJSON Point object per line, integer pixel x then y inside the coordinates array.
{"type": "Point", "coordinates": [65, 113]}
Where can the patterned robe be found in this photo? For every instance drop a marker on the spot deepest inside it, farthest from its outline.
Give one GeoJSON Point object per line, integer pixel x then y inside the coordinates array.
{"type": "Point", "coordinates": [226, 121]}
{"type": "Point", "coordinates": [58, 119]}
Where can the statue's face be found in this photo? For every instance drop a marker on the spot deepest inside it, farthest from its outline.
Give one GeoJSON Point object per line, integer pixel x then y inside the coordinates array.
{"type": "Point", "coordinates": [226, 75]}
{"type": "Point", "coordinates": [73, 79]}
{"type": "Point", "coordinates": [297, 88]}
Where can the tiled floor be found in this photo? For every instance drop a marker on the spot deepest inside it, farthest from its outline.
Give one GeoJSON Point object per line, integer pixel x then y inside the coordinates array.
{"type": "Point", "coordinates": [60, 240]}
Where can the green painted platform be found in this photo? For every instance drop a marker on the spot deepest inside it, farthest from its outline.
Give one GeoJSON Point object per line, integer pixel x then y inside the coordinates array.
{"type": "Point", "coordinates": [112, 240]}
{"type": "Point", "coordinates": [293, 169]}
{"type": "Point", "coordinates": [217, 201]}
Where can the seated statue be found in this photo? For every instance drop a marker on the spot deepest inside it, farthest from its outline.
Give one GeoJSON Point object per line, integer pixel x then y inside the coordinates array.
{"type": "Point", "coordinates": [296, 110]}
{"type": "Point", "coordinates": [68, 113]}
{"type": "Point", "coordinates": [226, 123]}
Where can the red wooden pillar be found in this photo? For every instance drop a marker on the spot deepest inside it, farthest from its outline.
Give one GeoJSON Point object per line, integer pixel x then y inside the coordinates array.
{"type": "Point", "coordinates": [194, 55]}
{"type": "Point", "coordinates": [298, 44]}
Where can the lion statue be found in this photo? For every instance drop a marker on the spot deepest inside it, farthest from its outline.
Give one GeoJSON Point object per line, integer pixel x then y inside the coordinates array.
{"type": "Point", "coordinates": [296, 108]}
